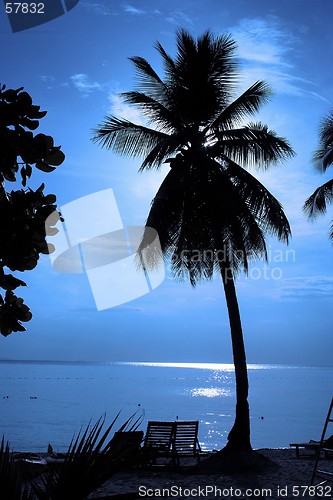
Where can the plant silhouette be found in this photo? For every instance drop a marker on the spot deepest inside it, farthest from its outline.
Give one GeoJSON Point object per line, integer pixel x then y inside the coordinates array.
{"type": "Point", "coordinates": [23, 212]}
{"type": "Point", "coordinates": [210, 213]}
{"type": "Point", "coordinates": [322, 159]}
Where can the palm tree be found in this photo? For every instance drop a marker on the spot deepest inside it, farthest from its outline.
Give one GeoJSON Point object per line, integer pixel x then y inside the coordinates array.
{"type": "Point", "coordinates": [322, 159]}
{"type": "Point", "coordinates": [210, 213]}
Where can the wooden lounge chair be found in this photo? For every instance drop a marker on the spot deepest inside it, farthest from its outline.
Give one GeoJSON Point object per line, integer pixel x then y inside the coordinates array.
{"type": "Point", "coordinates": [158, 441]}
{"type": "Point", "coordinates": [126, 446]}
{"type": "Point", "coordinates": [185, 442]}
{"type": "Point", "coordinates": [171, 440]}
{"type": "Point", "coordinates": [313, 446]}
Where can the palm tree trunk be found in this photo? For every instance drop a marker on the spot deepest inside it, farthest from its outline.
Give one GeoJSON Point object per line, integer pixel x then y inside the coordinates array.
{"type": "Point", "coordinates": [239, 436]}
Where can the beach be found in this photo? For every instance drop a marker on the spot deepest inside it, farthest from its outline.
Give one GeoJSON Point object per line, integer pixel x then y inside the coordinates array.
{"type": "Point", "coordinates": [288, 477]}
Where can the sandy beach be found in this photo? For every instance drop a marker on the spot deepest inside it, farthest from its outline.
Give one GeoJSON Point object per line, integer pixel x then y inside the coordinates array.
{"type": "Point", "coordinates": [289, 477]}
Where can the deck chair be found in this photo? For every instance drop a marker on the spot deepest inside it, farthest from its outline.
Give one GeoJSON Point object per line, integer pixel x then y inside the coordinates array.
{"type": "Point", "coordinates": [185, 440]}
{"type": "Point", "coordinates": [327, 447]}
{"type": "Point", "coordinates": [158, 441]}
{"type": "Point", "coordinates": [125, 446]}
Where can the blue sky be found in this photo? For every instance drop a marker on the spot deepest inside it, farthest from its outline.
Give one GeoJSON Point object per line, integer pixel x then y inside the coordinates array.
{"type": "Point", "coordinates": [74, 67]}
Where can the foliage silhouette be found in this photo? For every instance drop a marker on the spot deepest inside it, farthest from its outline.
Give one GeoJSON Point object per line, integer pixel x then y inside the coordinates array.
{"type": "Point", "coordinates": [210, 213]}
{"type": "Point", "coordinates": [23, 212]}
{"type": "Point", "coordinates": [92, 458]}
{"type": "Point", "coordinates": [323, 158]}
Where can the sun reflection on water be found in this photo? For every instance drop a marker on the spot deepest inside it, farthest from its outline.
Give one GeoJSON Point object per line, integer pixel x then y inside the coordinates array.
{"type": "Point", "coordinates": [225, 367]}
{"type": "Point", "coordinates": [210, 392]}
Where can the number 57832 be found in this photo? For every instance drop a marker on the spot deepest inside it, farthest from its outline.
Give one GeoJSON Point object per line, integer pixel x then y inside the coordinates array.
{"type": "Point", "coordinates": [24, 8]}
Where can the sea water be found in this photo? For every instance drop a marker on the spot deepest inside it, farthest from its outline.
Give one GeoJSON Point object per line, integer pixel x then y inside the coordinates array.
{"type": "Point", "coordinates": [49, 402]}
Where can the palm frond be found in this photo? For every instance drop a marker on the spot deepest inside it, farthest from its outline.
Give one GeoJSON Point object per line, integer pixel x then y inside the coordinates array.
{"type": "Point", "coordinates": [10, 481]}
{"type": "Point", "coordinates": [267, 209]}
{"type": "Point", "coordinates": [215, 53]}
{"type": "Point", "coordinates": [323, 156]}
{"type": "Point", "coordinates": [317, 203]}
{"type": "Point", "coordinates": [147, 77]}
{"type": "Point", "coordinates": [246, 104]}
{"type": "Point", "coordinates": [156, 112]}
{"type": "Point", "coordinates": [202, 76]}
{"type": "Point", "coordinates": [326, 130]}
{"type": "Point", "coordinates": [169, 64]}
{"type": "Point", "coordinates": [162, 151]}
{"type": "Point", "coordinates": [223, 210]}
{"type": "Point", "coordinates": [149, 82]}
{"type": "Point", "coordinates": [91, 459]}
{"type": "Point", "coordinates": [127, 138]}
{"type": "Point", "coordinates": [253, 145]}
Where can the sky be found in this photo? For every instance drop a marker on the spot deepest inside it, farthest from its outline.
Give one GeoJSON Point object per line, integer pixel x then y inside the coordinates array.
{"type": "Point", "coordinates": [74, 67]}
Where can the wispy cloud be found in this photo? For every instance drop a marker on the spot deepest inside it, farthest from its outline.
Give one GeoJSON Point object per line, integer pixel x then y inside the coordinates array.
{"type": "Point", "coordinates": [122, 110]}
{"type": "Point", "coordinates": [314, 287]}
{"type": "Point", "coordinates": [133, 10]}
{"type": "Point", "coordinates": [84, 84]}
{"type": "Point", "coordinates": [179, 18]}
{"type": "Point", "coordinates": [263, 40]}
{"type": "Point", "coordinates": [98, 8]}
{"type": "Point", "coordinates": [105, 8]}
{"type": "Point", "coordinates": [265, 48]}
{"type": "Point", "coordinates": [47, 78]}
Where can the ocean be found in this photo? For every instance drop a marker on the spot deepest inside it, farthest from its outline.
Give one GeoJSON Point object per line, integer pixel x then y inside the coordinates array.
{"type": "Point", "coordinates": [49, 402]}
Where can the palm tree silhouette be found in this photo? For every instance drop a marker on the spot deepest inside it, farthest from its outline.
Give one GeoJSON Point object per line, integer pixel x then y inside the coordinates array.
{"type": "Point", "coordinates": [209, 212]}
{"type": "Point", "coordinates": [322, 159]}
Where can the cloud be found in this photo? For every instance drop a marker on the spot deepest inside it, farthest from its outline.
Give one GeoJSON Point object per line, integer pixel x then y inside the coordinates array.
{"type": "Point", "coordinates": [133, 10]}
{"type": "Point", "coordinates": [107, 8]}
{"type": "Point", "coordinates": [84, 84]}
{"type": "Point", "coordinates": [314, 287]}
{"type": "Point", "coordinates": [265, 47]}
{"type": "Point", "coordinates": [98, 8]}
{"type": "Point", "coordinates": [122, 110]}
{"type": "Point", "coordinates": [47, 78]}
{"type": "Point", "coordinates": [263, 40]}
{"type": "Point", "coordinates": [179, 18]}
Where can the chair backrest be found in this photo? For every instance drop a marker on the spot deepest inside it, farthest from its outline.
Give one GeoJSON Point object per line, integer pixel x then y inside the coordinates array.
{"type": "Point", "coordinates": [126, 441]}
{"type": "Point", "coordinates": [186, 437]}
{"type": "Point", "coordinates": [159, 435]}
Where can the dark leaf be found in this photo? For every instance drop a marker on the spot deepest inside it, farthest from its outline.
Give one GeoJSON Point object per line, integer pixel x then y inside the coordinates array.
{"type": "Point", "coordinates": [10, 282]}
{"type": "Point", "coordinates": [50, 199]}
{"type": "Point", "coordinates": [41, 165]}
{"type": "Point", "coordinates": [24, 100]}
{"type": "Point", "coordinates": [54, 157]}
{"type": "Point", "coordinates": [28, 170]}
{"type": "Point", "coordinates": [30, 124]}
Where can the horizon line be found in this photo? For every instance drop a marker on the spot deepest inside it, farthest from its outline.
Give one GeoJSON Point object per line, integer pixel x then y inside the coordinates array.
{"type": "Point", "coordinates": [166, 364]}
